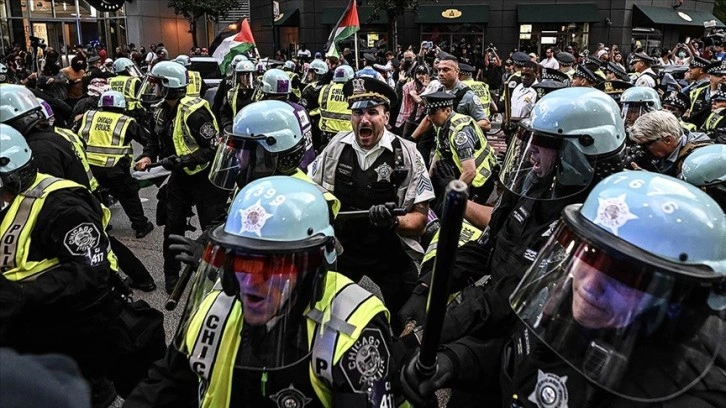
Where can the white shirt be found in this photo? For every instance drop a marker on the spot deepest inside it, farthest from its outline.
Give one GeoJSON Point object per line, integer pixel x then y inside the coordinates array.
{"type": "Point", "coordinates": [550, 63]}
{"type": "Point", "coordinates": [523, 100]}
{"type": "Point", "coordinates": [366, 158]}
{"type": "Point", "coordinates": [646, 80]}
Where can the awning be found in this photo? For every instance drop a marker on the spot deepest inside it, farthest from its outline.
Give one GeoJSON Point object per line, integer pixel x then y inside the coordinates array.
{"type": "Point", "coordinates": [670, 16]}
{"type": "Point", "coordinates": [453, 14]}
{"type": "Point", "coordinates": [332, 15]}
{"type": "Point", "coordinates": [557, 13]}
{"type": "Point", "coordinates": [287, 18]}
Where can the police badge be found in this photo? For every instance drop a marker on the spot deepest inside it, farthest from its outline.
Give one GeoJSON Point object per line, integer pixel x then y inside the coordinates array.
{"type": "Point", "coordinates": [384, 172]}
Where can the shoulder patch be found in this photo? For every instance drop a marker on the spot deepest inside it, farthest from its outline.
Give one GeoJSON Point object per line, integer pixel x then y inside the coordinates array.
{"type": "Point", "coordinates": [512, 84]}
{"type": "Point", "coordinates": [82, 239]}
{"type": "Point", "coordinates": [367, 361]}
{"type": "Point", "coordinates": [461, 139]}
{"type": "Point", "coordinates": [207, 130]}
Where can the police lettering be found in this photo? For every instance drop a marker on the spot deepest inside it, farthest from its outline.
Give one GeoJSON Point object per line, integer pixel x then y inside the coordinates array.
{"type": "Point", "coordinates": [103, 124]}
{"type": "Point", "coordinates": [117, 86]}
{"type": "Point", "coordinates": [337, 95]}
{"type": "Point", "coordinates": [7, 254]}
{"type": "Point", "coordinates": [320, 365]}
{"type": "Point", "coordinates": [207, 339]}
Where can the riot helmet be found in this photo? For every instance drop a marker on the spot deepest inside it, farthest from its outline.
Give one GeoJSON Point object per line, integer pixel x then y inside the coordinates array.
{"type": "Point", "coordinates": [266, 138]}
{"type": "Point", "coordinates": [184, 60]}
{"type": "Point", "coordinates": [637, 101]}
{"type": "Point", "coordinates": [124, 66]}
{"type": "Point", "coordinates": [244, 74]}
{"type": "Point", "coordinates": [276, 82]}
{"type": "Point", "coordinates": [319, 67]}
{"type": "Point", "coordinates": [167, 80]}
{"type": "Point", "coordinates": [343, 73]}
{"type": "Point", "coordinates": [112, 100]}
{"type": "Point", "coordinates": [236, 60]}
{"type": "Point", "coordinates": [572, 137]}
{"type": "Point", "coordinates": [629, 284]}
{"type": "Point", "coordinates": [269, 262]}
{"type": "Point", "coordinates": [19, 108]}
{"type": "Point", "coordinates": [17, 171]}
{"type": "Point", "coordinates": [705, 168]}
{"type": "Point", "coordinates": [47, 111]}
{"type": "Point", "coordinates": [288, 66]}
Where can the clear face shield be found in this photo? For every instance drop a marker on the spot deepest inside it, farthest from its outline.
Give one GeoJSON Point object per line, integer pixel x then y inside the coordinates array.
{"type": "Point", "coordinates": [632, 111]}
{"type": "Point", "coordinates": [245, 80]}
{"type": "Point", "coordinates": [274, 292]}
{"type": "Point", "coordinates": [241, 160]}
{"type": "Point", "coordinates": [546, 167]}
{"type": "Point", "coordinates": [616, 318]}
{"type": "Point", "coordinates": [134, 71]}
{"type": "Point", "coordinates": [151, 91]}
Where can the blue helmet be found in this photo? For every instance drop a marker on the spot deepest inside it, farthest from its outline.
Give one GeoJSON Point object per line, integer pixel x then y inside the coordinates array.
{"type": "Point", "coordinates": [19, 107]}
{"type": "Point", "coordinates": [630, 279]}
{"type": "Point", "coordinates": [267, 138]}
{"type": "Point", "coordinates": [573, 138]}
{"type": "Point", "coordinates": [17, 171]}
{"type": "Point", "coordinates": [705, 167]}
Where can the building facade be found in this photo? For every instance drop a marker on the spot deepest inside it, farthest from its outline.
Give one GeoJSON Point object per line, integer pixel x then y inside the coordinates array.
{"type": "Point", "coordinates": [529, 25]}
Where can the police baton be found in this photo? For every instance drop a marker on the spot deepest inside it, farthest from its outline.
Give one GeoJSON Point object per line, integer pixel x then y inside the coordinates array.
{"type": "Point", "coordinates": [357, 214]}
{"type": "Point", "coordinates": [453, 215]}
{"type": "Point", "coordinates": [173, 300]}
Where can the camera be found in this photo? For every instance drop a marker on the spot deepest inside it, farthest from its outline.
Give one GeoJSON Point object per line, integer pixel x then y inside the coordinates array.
{"type": "Point", "coordinates": [427, 44]}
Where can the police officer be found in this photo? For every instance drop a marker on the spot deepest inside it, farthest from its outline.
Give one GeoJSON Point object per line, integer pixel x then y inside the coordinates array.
{"type": "Point", "coordinates": [566, 61]}
{"type": "Point", "coordinates": [462, 151]}
{"type": "Point", "coordinates": [704, 168]}
{"type": "Point", "coordinates": [613, 72]}
{"type": "Point", "coordinates": [698, 89]}
{"type": "Point", "coordinates": [279, 328]}
{"type": "Point", "coordinates": [614, 88]}
{"type": "Point", "coordinates": [551, 80]}
{"type": "Point", "coordinates": [184, 137]}
{"type": "Point", "coordinates": [661, 136]}
{"type": "Point", "coordinates": [226, 85]}
{"type": "Point", "coordinates": [636, 102]}
{"type": "Point", "coordinates": [524, 96]}
{"type": "Point", "coordinates": [56, 269]}
{"type": "Point", "coordinates": [609, 316]}
{"type": "Point", "coordinates": [677, 103]}
{"type": "Point", "coordinates": [519, 59]}
{"type": "Point", "coordinates": [584, 77]}
{"type": "Point", "coordinates": [481, 89]}
{"type": "Point", "coordinates": [640, 63]}
{"type": "Point", "coordinates": [128, 82]}
{"type": "Point", "coordinates": [197, 86]}
{"type": "Point", "coordinates": [289, 68]}
{"type": "Point", "coordinates": [20, 109]}
{"type": "Point", "coordinates": [368, 71]}
{"type": "Point", "coordinates": [310, 95]}
{"type": "Point", "coordinates": [366, 169]}
{"type": "Point", "coordinates": [334, 111]}
{"type": "Point", "coordinates": [108, 133]}
{"type": "Point", "coordinates": [539, 181]}
{"type": "Point", "coordinates": [240, 94]}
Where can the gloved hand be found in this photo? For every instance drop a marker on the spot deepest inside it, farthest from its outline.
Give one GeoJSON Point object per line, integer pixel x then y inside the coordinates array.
{"type": "Point", "coordinates": [421, 391]}
{"type": "Point", "coordinates": [186, 250]}
{"type": "Point", "coordinates": [442, 176]}
{"type": "Point", "coordinates": [415, 307]}
{"type": "Point", "coordinates": [381, 217]}
{"type": "Point", "coordinates": [172, 162]}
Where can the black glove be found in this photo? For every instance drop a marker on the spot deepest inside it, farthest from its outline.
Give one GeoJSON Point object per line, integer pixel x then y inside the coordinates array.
{"type": "Point", "coordinates": [186, 250]}
{"type": "Point", "coordinates": [421, 391]}
{"type": "Point", "coordinates": [415, 307]}
{"type": "Point", "coordinates": [382, 217]}
{"type": "Point", "coordinates": [171, 163]}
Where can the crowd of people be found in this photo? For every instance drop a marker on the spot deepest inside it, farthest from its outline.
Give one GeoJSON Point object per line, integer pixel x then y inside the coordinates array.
{"type": "Point", "coordinates": [590, 268]}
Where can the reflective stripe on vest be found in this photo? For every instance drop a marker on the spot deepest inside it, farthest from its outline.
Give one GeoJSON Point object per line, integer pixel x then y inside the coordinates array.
{"type": "Point", "coordinates": [295, 90]}
{"type": "Point", "coordinates": [482, 91]}
{"type": "Point", "coordinates": [18, 224]}
{"type": "Point", "coordinates": [484, 157]}
{"type": "Point", "coordinates": [468, 233]}
{"type": "Point", "coordinates": [713, 122]}
{"type": "Point", "coordinates": [126, 85]}
{"type": "Point", "coordinates": [80, 149]}
{"type": "Point", "coordinates": [194, 88]}
{"type": "Point", "coordinates": [184, 142]}
{"type": "Point", "coordinates": [334, 111]}
{"type": "Point", "coordinates": [104, 134]}
{"type": "Point", "coordinates": [213, 336]}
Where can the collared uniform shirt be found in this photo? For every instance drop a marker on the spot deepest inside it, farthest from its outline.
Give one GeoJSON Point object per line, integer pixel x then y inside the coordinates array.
{"type": "Point", "coordinates": [646, 80]}
{"type": "Point", "coordinates": [523, 100]}
{"type": "Point", "coordinates": [470, 103]}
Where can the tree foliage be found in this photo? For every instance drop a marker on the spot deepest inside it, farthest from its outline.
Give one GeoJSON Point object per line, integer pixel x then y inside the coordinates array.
{"type": "Point", "coordinates": [392, 8]}
{"type": "Point", "coordinates": [193, 10]}
{"type": "Point", "coordinates": [719, 9]}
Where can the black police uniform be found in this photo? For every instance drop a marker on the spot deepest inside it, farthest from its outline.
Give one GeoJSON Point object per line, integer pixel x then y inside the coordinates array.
{"type": "Point", "coordinates": [182, 190]}
{"type": "Point", "coordinates": [229, 110]}
{"type": "Point", "coordinates": [62, 112]}
{"type": "Point", "coordinates": [309, 100]}
{"type": "Point", "coordinates": [219, 98]}
{"type": "Point", "coordinates": [171, 382]}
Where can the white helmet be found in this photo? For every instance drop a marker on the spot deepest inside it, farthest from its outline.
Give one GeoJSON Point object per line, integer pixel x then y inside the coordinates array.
{"type": "Point", "coordinates": [276, 82]}
{"type": "Point", "coordinates": [112, 100]}
{"type": "Point", "coordinates": [343, 73]}
{"type": "Point", "coordinates": [319, 66]}
{"type": "Point", "coordinates": [184, 60]}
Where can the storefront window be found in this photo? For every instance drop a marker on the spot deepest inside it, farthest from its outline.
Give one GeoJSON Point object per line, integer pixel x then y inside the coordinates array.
{"type": "Point", "coordinates": [538, 37]}
{"type": "Point", "coordinates": [451, 38]}
{"type": "Point", "coordinates": [649, 39]}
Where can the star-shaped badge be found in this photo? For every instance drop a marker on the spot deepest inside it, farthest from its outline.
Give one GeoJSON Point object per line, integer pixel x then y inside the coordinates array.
{"type": "Point", "coordinates": [613, 213]}
{"type": "Point", "coordinates": [254, 218]}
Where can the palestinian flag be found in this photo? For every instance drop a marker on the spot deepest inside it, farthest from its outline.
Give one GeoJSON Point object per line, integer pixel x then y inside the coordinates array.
{"type": "Point", "coordinates": [347, 26]}
{"type": "Point", "coordinates": [235, 45]}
